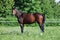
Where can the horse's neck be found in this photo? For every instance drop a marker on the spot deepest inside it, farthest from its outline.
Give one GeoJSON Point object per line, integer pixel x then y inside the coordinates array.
{"type": "Point", "coordinates": [18, 14]}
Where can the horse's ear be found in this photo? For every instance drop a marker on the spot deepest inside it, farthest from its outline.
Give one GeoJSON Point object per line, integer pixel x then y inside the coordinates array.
{"type": "Point", "coordinates": [13, 8]}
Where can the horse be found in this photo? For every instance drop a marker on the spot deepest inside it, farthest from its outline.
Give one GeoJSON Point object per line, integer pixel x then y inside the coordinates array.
{"type": "Point", "coordinates": [28, 18]}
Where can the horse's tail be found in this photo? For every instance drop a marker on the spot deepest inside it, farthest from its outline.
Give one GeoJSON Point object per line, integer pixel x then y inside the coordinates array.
{"type": "Point", "coordinates": [43, 18]}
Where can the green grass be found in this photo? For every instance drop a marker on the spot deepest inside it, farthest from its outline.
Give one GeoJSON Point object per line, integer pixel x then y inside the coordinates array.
{"type": "Point", "coordinates": [30, 33]}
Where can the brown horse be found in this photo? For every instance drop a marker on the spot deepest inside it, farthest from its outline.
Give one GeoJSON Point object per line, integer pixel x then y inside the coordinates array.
{"type": "Point", "coordinates": [24, 18]}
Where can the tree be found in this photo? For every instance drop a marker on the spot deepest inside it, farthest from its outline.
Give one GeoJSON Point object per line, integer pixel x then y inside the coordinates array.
{"type": "Point", "coordinates": [41, 6]}
{"type": "Point", "coordinates": [5, 7]}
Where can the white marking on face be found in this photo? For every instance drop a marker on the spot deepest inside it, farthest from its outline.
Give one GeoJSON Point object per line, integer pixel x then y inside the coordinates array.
{"type": "Point", "coordinates": [14, 12]}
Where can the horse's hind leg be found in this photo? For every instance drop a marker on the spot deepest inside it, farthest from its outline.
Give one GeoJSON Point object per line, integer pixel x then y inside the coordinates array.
{"type": "Point", "coordinates": [42, 27]}
{"type": "Point", "coordinates": [22, 27]}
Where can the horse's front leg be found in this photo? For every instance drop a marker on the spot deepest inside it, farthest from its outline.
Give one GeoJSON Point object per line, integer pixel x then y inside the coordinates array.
{"type": "Point", "coordinates": [22, 27]}
{"type": "Point", "coordinates": [21, 24]}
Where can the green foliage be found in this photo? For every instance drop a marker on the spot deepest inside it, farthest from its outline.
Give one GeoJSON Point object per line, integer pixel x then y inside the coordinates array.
{"type": "Point", "coordinates": [28, 5]}
{"type": "Point", "coordinates": [5, 7]}
{"type": "Point", "coordinates": [47, 7]}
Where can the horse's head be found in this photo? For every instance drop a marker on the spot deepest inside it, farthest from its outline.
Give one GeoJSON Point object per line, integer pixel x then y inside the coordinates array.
{"type": "Point", "coordinates": [14, 12]}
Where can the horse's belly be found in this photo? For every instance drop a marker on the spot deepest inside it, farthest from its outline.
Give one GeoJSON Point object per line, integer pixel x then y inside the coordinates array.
{"type": "Point", "coordinates": [29, 19]}
{"type": "Point", "coordinates": [27, 22]}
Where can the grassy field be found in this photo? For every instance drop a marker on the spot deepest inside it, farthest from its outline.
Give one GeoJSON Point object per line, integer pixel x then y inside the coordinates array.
{"type": "Point", "coordinates": [30, 33]}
